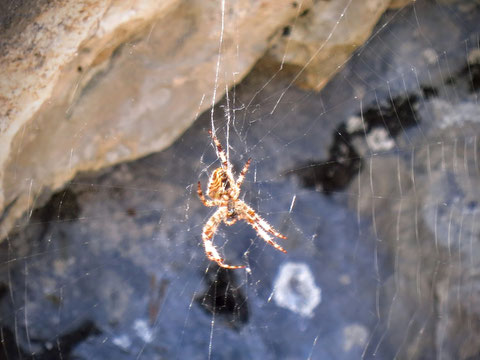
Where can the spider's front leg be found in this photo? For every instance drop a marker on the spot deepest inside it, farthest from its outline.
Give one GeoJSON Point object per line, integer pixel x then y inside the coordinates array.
{"type": "Point", "coordinates": [220, 151]}
{"type": "Point", "coordinates": [202, 197]}
{"type": "Point", "coordinates": [241, 177]}
{"type": "Point", "coordinates": [208, 231]}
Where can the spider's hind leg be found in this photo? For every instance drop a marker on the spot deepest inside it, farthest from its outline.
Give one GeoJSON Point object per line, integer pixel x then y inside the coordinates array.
{"type": "Point", "coordinates": [262, 227]}
{"type": "Point", "coordinates": [266, 226]}
{"type": "Point", "coordinates": [208, 231]}
{"type": "Point", "coordinates": [265, 236]}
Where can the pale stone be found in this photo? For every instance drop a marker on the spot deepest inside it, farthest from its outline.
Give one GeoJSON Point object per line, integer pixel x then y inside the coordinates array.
{"type": "Point", "coordinates": [320, 40]}
{"type": "Point", "coordinates": [398, 4]}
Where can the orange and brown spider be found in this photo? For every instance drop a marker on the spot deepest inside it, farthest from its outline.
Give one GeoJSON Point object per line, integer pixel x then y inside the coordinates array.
{"type": "Point", "coordinates": [224, 192]}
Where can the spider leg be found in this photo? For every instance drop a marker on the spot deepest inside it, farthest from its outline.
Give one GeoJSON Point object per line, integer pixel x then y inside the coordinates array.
{"type": "Point", "coordinates": [266, 226]}
{"type": "Point", "coordinates": [241, 177]}
{"type": "Point", "coordinates": [220, 151]}
{"type": "Point", "coordinates": [208, 231]}
{"type": "Point", "coordinates": [202, 197]}
{"type": "Point", "coordinates": [262, 222]}
{"type": "Point", "coordinates": [230, 222]}
{"type": "Point", "coordinates": [223, 158]}
{"type": "Point", "coordinates": [261, 226]}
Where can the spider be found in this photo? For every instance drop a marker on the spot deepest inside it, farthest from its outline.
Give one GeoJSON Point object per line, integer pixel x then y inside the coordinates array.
{"type": "Point", "coordinates": [224, 192]}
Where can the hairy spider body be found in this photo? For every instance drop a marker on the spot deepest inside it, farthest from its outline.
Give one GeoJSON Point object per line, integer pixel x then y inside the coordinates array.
{"type": "Point", "coordinates": [224, 191]}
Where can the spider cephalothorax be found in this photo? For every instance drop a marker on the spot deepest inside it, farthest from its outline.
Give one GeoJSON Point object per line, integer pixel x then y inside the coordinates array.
{"type": "Point", "coordinates": [224, 192]}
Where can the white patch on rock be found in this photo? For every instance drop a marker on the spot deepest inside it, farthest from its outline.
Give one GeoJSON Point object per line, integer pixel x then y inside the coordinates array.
{"type": "Point", "coordinates": [454, 115]}
{"type": "Point", "coordinates": [295, 289]}
{"type": "Point", "coordinates": [430, 55]}
{"type": "Point", "coordinates": [379, 140]}
{"type": "Point", "coordinates": [345, 280]}
{"type": "Point", "coordinates": [143, 330]}
{"type": "Point", "coordinates": [474, 57]}
{"type": "Point", "coordinates": [354, 123]}
{"type": "Point", "coordinates": [122, 341]}
{"type": "Point", "coordinates": [354, 335]}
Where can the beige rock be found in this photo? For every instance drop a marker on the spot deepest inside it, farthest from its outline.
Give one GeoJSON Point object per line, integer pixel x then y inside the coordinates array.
{"type": "Point", "coordinates": [86, 84]}
{"type": "Point", "coordinates": [321, 39]}
{"type": "Point", "coordinates": [398, 4]}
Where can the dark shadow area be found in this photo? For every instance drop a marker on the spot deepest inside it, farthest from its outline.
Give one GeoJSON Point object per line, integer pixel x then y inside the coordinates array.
{"type": "Point", "coordinates": [54, 349]}
{"type": "Point", "coordinates": [224, 298]}
{"type": "Point", "coordinates": [344, 162]}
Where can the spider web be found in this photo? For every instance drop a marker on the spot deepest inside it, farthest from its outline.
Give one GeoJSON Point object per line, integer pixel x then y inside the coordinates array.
{"type": "Point", "coordinates": [374, 180]}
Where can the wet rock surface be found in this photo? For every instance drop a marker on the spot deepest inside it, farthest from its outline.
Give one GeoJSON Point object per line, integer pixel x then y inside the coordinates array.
{"type": "Point", "coordinates": [113, 266]}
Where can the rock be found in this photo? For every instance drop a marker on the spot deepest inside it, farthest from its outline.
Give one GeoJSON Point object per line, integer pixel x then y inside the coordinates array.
{"type": "Point", "coordinates": [89, 84]}
{"type": "Point", "coordinates": [317, 43]}
{"type": "Point", "coordinates": [398, 4]}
